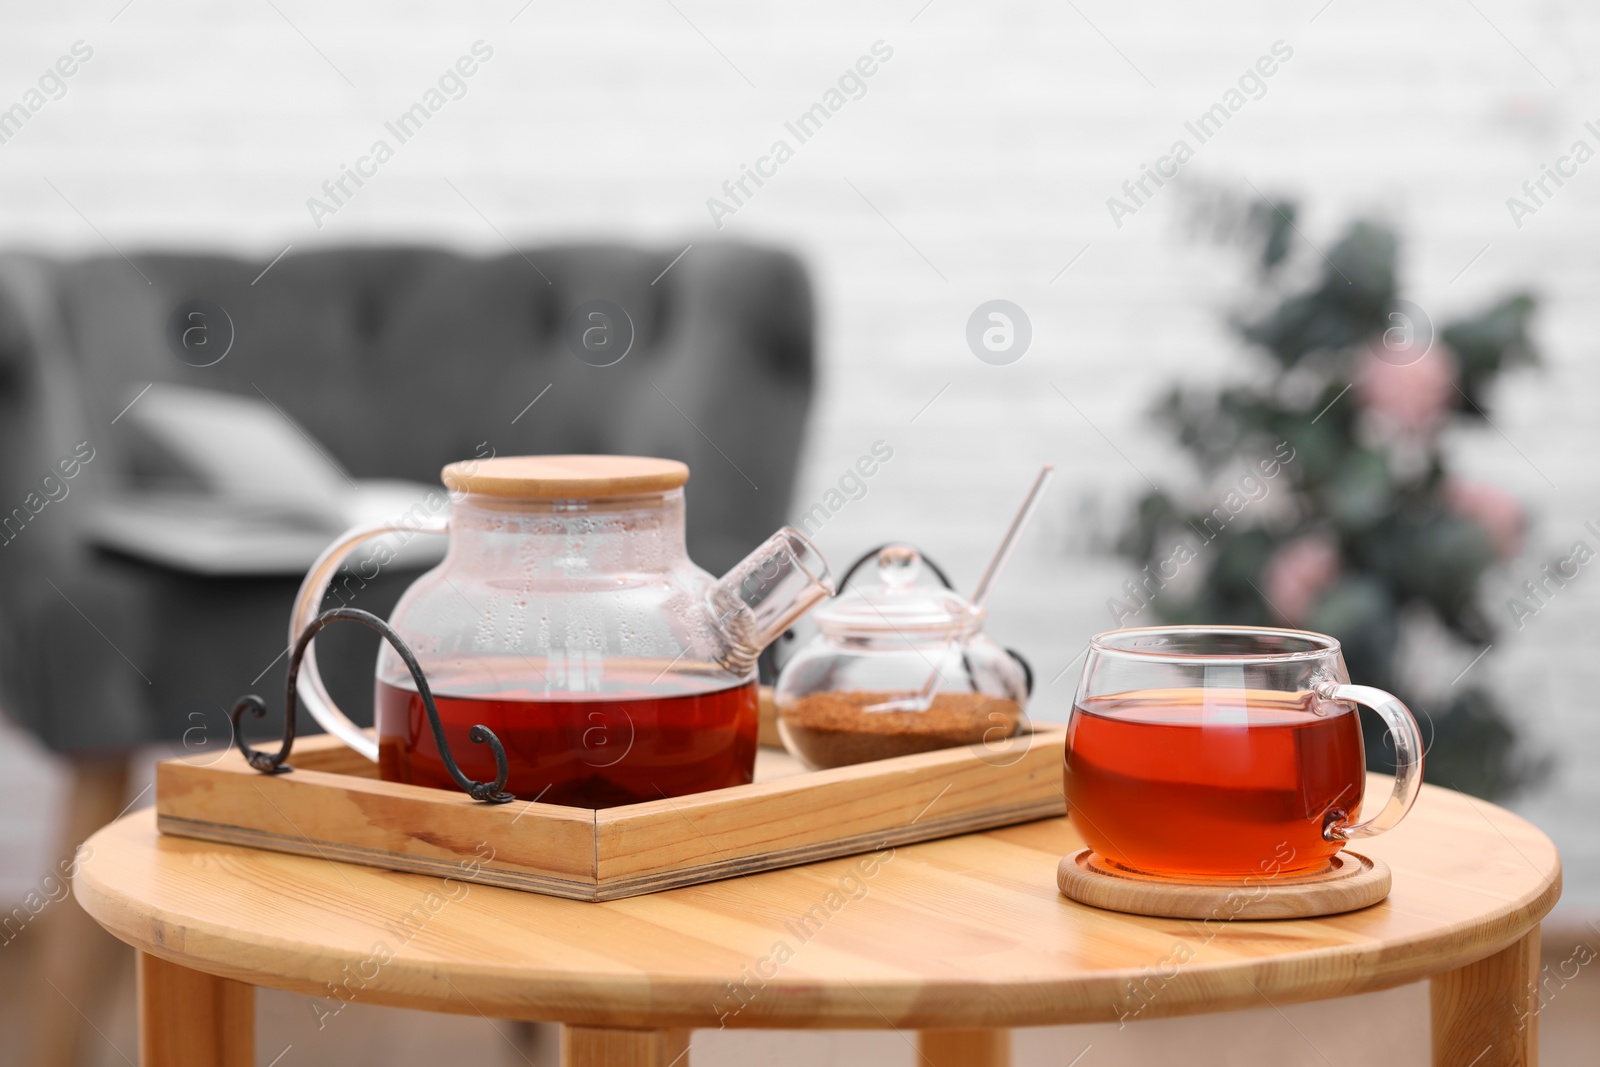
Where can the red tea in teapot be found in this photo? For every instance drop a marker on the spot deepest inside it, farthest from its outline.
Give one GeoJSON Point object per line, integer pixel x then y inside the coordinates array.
{"type": "Point", "coordinates": [1212, 782]}
{"type": "Point", "coordinates": [631, 741]}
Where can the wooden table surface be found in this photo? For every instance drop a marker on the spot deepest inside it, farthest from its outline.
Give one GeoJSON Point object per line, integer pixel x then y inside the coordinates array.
{"type": "Point", "coordinates": [963, 932]}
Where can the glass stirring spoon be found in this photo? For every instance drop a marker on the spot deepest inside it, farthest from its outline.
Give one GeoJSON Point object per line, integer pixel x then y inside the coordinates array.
{"type": "Point", "coordinates": [923, 700]}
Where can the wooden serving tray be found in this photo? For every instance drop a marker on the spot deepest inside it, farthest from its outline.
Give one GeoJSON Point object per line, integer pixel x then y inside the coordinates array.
{"type": "Point", "coordinates": [333, 805]}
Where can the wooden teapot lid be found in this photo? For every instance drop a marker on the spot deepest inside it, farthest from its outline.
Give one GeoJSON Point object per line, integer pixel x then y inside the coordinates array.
{"type": "Point", "coordinates": [565, 477]}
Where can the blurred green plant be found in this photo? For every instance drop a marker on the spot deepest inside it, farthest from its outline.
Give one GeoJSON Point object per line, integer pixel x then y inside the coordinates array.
{"type": "Point", "coordinates": [1353, 522]}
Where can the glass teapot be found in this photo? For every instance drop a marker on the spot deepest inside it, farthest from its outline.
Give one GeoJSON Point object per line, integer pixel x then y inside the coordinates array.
{"type": "Point", "coordinates": [568, 618]}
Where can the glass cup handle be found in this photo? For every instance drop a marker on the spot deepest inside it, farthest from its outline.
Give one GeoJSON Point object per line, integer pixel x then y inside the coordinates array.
{"type": "Point", "coordinates": [312, 693]}
{"type": "Point", "coordinates": [1407, 752]}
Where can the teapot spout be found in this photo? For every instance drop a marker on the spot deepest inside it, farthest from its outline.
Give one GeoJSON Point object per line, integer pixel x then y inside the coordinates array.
{"type": "Point", "coordinates": [755, 602]}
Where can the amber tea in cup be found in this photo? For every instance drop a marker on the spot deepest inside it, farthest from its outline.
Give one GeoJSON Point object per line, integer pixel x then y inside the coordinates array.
{"type": "Point", "coordinates": [1225, 752]}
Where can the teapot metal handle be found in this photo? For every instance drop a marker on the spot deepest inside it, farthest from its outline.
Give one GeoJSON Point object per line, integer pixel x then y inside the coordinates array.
{"type": "Point", "coordinates": [274, 763]}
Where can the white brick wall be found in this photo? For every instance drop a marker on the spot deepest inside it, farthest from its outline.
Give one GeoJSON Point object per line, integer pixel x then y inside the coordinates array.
{"type": "Point", "coordinates": [990, 140]}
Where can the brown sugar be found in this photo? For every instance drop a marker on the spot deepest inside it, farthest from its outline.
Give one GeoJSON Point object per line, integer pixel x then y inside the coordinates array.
{"type": "Point", "coordinates": [834, 729]}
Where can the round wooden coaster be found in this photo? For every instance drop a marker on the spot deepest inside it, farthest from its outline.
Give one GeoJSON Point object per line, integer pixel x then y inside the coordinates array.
{"type": "Point", "coordinates": [1351, 881]}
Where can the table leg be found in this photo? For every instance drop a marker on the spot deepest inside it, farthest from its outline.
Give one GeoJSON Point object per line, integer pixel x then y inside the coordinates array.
{"type": "Point", "coordinates": [193, 1019]}
{"type": "Point", "coordinates": [965, 1048]}
{"type": "Point", "coordinates": [588, 1046]}
{"type": "Point", "coordinates": [1486, 1014]}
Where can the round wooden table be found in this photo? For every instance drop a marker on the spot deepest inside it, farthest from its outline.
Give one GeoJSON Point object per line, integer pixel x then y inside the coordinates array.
{"type": "Point", "coordinates": [959, 938]}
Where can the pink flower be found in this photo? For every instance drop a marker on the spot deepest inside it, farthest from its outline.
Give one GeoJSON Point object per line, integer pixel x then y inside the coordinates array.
{"type": "Point", "coordinates": [1410, 391]}
{"type": "Point", "coordinates": [1497, 511]}
{"type": "Point", "coordinates": [1298, 572]}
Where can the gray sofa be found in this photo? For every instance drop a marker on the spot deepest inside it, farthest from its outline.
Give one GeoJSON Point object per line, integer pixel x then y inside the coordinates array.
{"type": "Point", "coordinates": [396, 361]}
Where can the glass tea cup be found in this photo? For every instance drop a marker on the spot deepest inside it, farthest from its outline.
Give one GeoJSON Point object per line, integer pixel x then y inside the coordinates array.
{"type": "Point", "coordinates": [1226, 752]}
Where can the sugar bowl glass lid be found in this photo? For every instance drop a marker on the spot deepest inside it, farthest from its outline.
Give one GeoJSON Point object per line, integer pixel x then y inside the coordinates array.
{"type": "Point", "coordinates": [892, 600]}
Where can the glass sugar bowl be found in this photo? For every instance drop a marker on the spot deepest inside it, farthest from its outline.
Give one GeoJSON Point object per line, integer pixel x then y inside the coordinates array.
{"type": "Point", "coordinates": [899, 666]}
